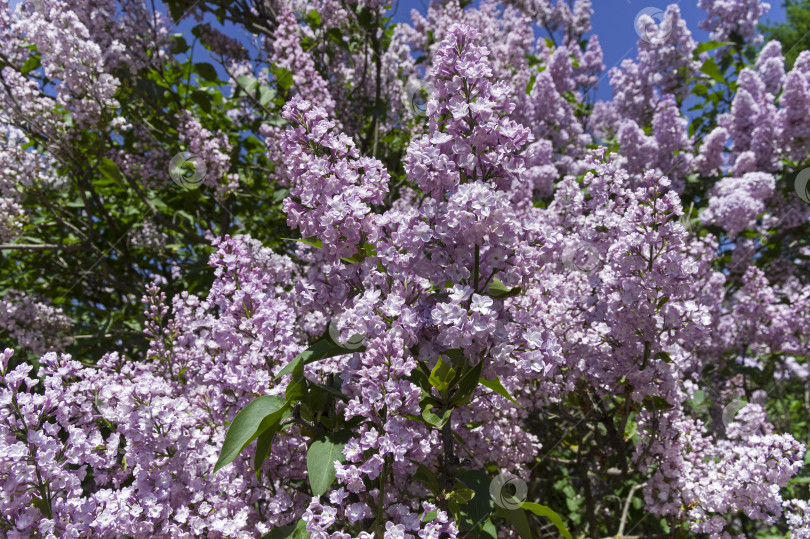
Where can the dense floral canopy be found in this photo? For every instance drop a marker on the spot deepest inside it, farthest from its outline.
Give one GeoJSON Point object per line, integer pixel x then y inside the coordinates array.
{"type": "Point", "coordinates": [365, 279]}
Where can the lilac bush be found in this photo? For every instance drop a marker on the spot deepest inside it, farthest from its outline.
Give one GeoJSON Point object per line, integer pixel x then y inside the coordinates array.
{"type": "Point", "coordinates": [601, 305]}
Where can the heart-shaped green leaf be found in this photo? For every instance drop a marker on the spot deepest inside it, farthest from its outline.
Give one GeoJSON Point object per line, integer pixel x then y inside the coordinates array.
{"type": "Point", "coordinates": [496, 386]}
{"type": "Point", "coordinates": [321, 457]}
{"type": "Point", "coordinates": [249, 423]}
{"type": "Point", "coordinates": [543, 511]}
{"type": "Point", "coordinates": [441, 375]}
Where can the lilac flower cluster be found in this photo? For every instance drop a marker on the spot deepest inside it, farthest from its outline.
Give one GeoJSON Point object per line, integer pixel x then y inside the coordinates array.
{"type": "Point", "coordinates": [10, 209]}
{"type": "Point", "coordinates": [332, 187]}
{"type": "Point", "coordinates": [663, 66]}
{"type": "Point", "coordinates": [795, 95]}
{"type": "Point", "coordinates": [798, 517]}
{"type": "Point", "coordinates": [213, 148]}
{"type": "Point", "coordinates": [287, 53]}
{"type": "Point", "coordinates": [219, 43]}
{"type": "Point", "coordinates": [505, 246]}
{"type": "Point", "coordinates": [645, 282]}
{"type": "Point", "coordinates": [714, 479]}
{"type": "Point", "coordinates": [738, 201]}
{"type": "Point", "coordinates": [464, 232]}
{"type": "Point", "coordinates": [33, 323]}
{"type": "Point", "coordinates": [556, 86]}
{"type": "Point", "coordinates": [127, 448]}
{"type": "Point", "coordinates": [728, 18]}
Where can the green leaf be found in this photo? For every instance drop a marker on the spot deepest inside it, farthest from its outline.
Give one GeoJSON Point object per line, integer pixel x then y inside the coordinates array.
{"type": "Point", "coordinates": [429, 517]}
{"type": "Point", "coordinates": [482, 504]}
{"type": "Point", "coordinates": [530, 84]}
{"type": "Point", "coordinates": [109, 170]}
{"type": "Point", "coordinates": [799, 481]}
{"type": "Point", "coordinates": [663, 356]}
{"type": "Point", "coordinates": [249, 423]}
{"type": "Point", "coordinates": [426, 476]}
{"type": "Point", "coordinates": [468, 384]}
{"type": "Point", "coordinates": [31, 64]}
{"type": "Point", "coordinates": [420, 379]}
{"type": "Point", "coordinates": [206, 71]}
{"type": "Point", "coordinates": [313, 18]}
{"type": "Point", "coordinates": [700, 89]}
{"type": "Point", "coordinates": [202, 99]}
{"type": "Point", "coordinates": [159, 204]}
{"type": "Point", "coordinates": [710, 68]}
{"type": "Point", "coordinates": [179, 45]}
{"type": "Point", "coordinates": [247, 83]}
{"type": "Point", "coordinates": [697, 400]}
{"type": "Point", "coordinates": [41, 504]}
{"type": "Point", "coordinates": [489, 530]}
{"type": "Point", "coordinates": [284, 78]}
{"type": "Point", "coordinates": [176, 9]}
{"type": "Point", "coordinates": [297, 387]}
{"type": "Point", "coordinates": [518, 519]}
{"type": "Point", "coordinates": [321, 457]}
{"type": "Point", "coordinates": [365, 17]}
{"type": "Point", "coordinates": [496, 386]}
{"type": "Point", "coordinates": [441, 375]}
{"type": "Point", "coordinates": [264, 443]}
{"type": "Point", "coordinates": [533, 59]}
{"type": "Point", "coordinates": [543, 511]}
{"type": "Point", "coordinates": [316, 399]}
{"type": "Point", "coordinates": [655, 403]}
{"type": "Point", "coordinates": [322, 349]}
{"type": "Point", "coordinates": [185, 215]}
{"type": "Point", "coordinates": [499, 290]}
{"type": "Point", "coordinates": [711, 45]}
{"type": "Point", "coordinates": [335, 35]}
{"type": "Point", "coordinates": [314, 242]}
{"type": "Point", "coordinates": [433, 418]}
{"type": "Point", "coordinates": [280, 533]}
{"type": "Point", "coordinates": [368, 249]}
{"type": "Point", "coordinates": [266, 95]}
{"type": "Point", "coordinates": [152, 88]}
{"type": "Point", "coordinates": [461, 495]}
{"type": "Point", "coordinates": [293, 531]}
{"type": "Point", "coordinates": [630, 430]}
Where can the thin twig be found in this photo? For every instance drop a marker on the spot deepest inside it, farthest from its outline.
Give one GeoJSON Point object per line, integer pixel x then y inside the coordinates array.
{"type": "Point", "coordinates": [40, 247]}
{"type": "Point", "coordinates": [623, 521]}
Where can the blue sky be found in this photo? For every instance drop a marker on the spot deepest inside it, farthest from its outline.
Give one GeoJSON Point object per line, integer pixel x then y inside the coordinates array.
{"type": "Point", "coordinates": [613, 21]}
